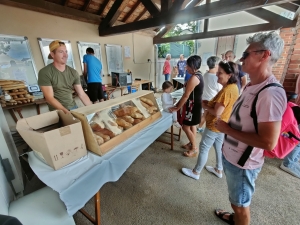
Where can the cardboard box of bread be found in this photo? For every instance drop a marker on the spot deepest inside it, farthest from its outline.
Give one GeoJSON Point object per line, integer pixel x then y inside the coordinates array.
{"type": "Point", "coordinates": [55, 137]}
{"type": "Point", "coordinates": [106, 124]}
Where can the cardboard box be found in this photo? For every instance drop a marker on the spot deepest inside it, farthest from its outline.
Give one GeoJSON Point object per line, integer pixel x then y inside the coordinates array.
{"type": "Point", "coordinates": [56, 138]}
{"type": "Point", "coordinates": [84, 114]}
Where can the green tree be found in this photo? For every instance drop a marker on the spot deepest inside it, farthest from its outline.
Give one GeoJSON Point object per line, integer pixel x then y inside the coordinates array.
{"type": "Point", "coordinates": [178, 30]}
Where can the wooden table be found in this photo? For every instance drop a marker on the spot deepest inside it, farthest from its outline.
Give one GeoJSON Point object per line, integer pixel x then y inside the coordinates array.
{"type": "Point", "coordinates": [136, 83]}
{"type": "Point", "coordinates": [18, 108]}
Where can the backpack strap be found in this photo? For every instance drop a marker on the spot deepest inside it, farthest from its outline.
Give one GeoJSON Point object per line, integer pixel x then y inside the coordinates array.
{"type": "Point", "coordinates": [253, 114]}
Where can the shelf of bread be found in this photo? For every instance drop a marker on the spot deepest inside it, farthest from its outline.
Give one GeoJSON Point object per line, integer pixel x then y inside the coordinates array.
{"type": "Point", "coordinates": [14, 92]}
{"type": "Point", "coordinates": [106, 124]}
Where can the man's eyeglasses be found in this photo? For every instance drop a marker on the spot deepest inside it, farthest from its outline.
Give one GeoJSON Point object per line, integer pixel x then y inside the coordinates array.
{"type": "Point", "coordinates": [246, 54]}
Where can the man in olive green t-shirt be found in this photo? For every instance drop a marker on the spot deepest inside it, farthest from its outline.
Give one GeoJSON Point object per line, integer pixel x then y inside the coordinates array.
{"type": "Point", "coordinates": [58, 81]}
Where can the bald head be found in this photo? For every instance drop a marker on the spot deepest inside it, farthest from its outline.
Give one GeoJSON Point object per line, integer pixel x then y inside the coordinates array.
{"type": "Point", "coordinates": [229, 56]}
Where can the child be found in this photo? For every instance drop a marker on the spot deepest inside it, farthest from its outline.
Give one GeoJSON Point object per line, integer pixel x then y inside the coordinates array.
{"type": "Point", "coordinates": [168, 102]}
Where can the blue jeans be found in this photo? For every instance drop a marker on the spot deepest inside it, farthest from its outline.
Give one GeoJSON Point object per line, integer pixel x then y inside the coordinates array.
{"type": "Point", "coordinates": [74, 107]}
{"type": "Point", "coordinates": [167, 77]}
{"type": "Point", "coordinates": [181, 75]}
{"type": "Point", "coordinates": [241, 183]}
{"type": "Point", "coordinates": [210, 138]}
{"type": "Point", "coordinates": [291, 161]}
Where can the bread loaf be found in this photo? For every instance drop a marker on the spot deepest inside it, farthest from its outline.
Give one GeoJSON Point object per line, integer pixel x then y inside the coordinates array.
{"type": "Point", "coordinates": [136, 121]}
{"type": "Point", "coordinates": [128, 119]}
{"type": "Point", "coordinates": [98, 139]}
{"type": "Point", "coordinates": [104, 136]}
{"type": "Point", "coordinates": [147, 101]}
{"type": "Point", "coordinates": [125, 111]}
{"type": "Point", "coordinates": [136, 115]}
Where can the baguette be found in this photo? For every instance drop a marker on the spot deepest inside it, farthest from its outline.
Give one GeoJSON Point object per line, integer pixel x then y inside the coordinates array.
{"type": "Point", "coordinates": [147, 101]}
{"type": "Point", "coordinates": [128, 119]}
{"type": "Point", "coordinates": [136, 115]}
{"type": "Point", "coordinates": [18, 93]}
{"type": "Point", "coordinates": [104, 136]}
{"type": "Point", "coordinates": [136, 121]}
{"type": "Point", "coordinates": [125, 111]}
{"type": "Point", "coordinates": [145, 105]}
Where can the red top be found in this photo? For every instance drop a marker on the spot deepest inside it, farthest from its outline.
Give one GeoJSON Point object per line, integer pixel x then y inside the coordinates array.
{"type": "Point", "coordinates": [167, 67]}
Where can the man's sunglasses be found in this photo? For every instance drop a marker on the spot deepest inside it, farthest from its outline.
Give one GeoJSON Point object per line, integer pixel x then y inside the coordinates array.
{"type": "Point", "coordinates": [246, 54]}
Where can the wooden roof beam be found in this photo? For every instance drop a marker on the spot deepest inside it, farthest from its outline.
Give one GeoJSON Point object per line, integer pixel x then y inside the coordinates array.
{"type": "Point", "coordinates": [213, 9]}
{"type": "Point", "coordinates": [86, 5]}
{"type": "Point", "coordinates": [227, 32]}
{"type": "Point", "coordinates": [133, 8]}
{"type": "Point", "coordinates": [65, 2]}
{"type": "Point", "coordinates": [111, 15]}
{"type": "Point", "coordinates": [141, 15]}
{"type": "Point", "coordinates": [102, 7]}
{"type": "Point", "coordinates": [165, 5]}
{"type": "Point", "coordinates": [152, 9]}
{"type": "Point", "coordinates": [53, 9]}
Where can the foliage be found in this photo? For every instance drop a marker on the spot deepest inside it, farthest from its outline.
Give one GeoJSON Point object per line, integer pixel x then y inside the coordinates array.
{"type": "Point", "coordinates": [178, 30]}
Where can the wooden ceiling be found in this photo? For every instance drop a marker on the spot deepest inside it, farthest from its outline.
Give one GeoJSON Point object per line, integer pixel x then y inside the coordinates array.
{"type": "Point", "coordinates": [124, 16]}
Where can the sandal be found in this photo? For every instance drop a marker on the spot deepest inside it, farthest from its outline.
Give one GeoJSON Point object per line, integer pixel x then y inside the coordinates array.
{"type": "Point", "coordinates": [187, 146]}
{"type": "Point", "coordinates": [191, 153]}
{"type": "Point", "coordinates": [221, 214]}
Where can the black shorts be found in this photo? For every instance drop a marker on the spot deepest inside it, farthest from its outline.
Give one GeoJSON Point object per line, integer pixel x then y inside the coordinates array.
{"type": "Point", "coordinates": [95, 91]}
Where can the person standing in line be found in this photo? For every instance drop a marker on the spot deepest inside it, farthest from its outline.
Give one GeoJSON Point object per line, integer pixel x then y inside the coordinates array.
{"type": "Point", "coordinates": [211, 87]}
{"type": "Point", "coordinates": [217, 108]}
{"type": "Point", "coordinates": [58, 81]}
{"type": "Point", "coordinates": [258, 60]}
{"type": "Point", "coordinates": [190, 104]}
{"type": "Point", "coordinates": [181, 66]}
{"type": "Point", "coordinates": [92, 73]}
{"type": "Point", "coordinates": [167, 67]}
{"type": "Point", "coordinates": [242, 77]}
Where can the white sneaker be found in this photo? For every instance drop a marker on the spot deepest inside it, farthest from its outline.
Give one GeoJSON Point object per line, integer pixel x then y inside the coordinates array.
{"type": "Point", "coordinates": [212, 170]}
{"type": "Point", "coordinates": [176, 124]}
{"type": "Point", "coordinates": [190, 173]}
{"type": "Point", "coordinates": [288, 170]}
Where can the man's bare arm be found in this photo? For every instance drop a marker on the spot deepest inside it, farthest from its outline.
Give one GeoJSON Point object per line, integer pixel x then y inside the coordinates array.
{"type": "Point", "coordinates": [82, 95]}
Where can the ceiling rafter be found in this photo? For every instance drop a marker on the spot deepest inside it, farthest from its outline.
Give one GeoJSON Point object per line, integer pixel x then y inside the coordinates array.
{"type": "Point", "coordinates": [152, 9]}
{"type": "Point", "coordinates": [226, 32]}
{"type": "Point", "coordinates": [86, 5]}
{"type": "Point", "coordinates": [141, 15]}
{"type": "Point", "coordinates": [213, 9]}
{"type": "Point", "coordinates": [53, 9]}
{"type": "Point", "coordinates": [259, 12]}
{"type": "Point", "coordinates": [111, 15]}
{"type": "Point", "coordinates": [133, 8]}
{"type": "Point", "coordinates": [102, 7]}
{"type": "Point", "coordinates": [165, 5]}
{"type": "Point", "coordinates": [65, 2]}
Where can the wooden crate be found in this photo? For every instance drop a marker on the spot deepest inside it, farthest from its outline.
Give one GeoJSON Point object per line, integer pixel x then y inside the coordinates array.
{"type": "Point", "coordinates": [83, 114]}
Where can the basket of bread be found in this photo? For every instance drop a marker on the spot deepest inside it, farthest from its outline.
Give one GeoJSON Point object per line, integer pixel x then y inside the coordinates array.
{"type": "Point", "coordinates": [107, 127]}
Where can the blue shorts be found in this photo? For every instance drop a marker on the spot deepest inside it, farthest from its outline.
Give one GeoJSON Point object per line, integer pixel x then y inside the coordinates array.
{"type": "Point", "coordinates": [241, 183]}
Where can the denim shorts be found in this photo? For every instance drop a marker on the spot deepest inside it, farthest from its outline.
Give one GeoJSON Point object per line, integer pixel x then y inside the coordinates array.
{"type": "Point", "coordinates": [240, 182]}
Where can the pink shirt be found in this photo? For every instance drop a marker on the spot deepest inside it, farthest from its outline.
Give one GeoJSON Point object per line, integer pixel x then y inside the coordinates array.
{"type": "Point", "coordinates": [167, 67]}
{"type": "Point", "coordinates": [270, 106]}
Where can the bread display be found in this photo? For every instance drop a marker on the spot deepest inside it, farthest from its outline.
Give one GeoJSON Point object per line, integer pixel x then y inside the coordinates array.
{"type": "Point", "coordinates": [111, 122]}
{"type": "Point", "coordinates": [15, 92]}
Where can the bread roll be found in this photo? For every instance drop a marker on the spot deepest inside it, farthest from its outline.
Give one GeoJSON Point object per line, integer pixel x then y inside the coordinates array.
{"type": "Point", "coordinates": [145, 105]}
{"type": "Point", "coordinates": [98, 139]}
{"type": "Point", "coordinates": [125, 111]}
{"type": "Point", "coordinates": [128, 119]}
{"type": "Point", "coordinates": [136, 115]}
{"type": "Point", "coordinates": [136, 121]}
{"type": "Point", "coordinates": [147, 101]}
{"type": "Point", "coordinates": [105, 137]}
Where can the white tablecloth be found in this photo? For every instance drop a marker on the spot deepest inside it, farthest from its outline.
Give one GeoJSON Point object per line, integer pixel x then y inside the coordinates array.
{"type": "Point", "coordinates": [79, 181]}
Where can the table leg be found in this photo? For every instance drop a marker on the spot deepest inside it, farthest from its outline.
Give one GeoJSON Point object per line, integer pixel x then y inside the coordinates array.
{"type": "Point", "coordinates": [38, 109]}
{"type": "Point", "coordinates": [172, 137]}
{"type": "Point", "coordinates": [19, 112]}
{"type": "Point", "coordinates": [12, 113]}
{"type": "Point", "coordinates": [97, 219]}
{"type": "Point", "coordinates": [149, 86]}
{"type": "Point", "coordinates": [97, 208]}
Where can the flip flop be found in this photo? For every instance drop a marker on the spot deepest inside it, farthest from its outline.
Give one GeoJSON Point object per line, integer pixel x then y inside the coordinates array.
{"type": "Point", "coordinates": [221, 214]}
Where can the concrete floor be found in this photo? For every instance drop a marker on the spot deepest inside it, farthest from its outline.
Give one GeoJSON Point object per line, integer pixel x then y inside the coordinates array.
{"type": "Point", "coordinates": [154, 191]}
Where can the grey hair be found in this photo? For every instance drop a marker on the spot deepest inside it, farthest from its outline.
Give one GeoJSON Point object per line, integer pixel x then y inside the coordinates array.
{"type": "Point", "coordinates": [168, 55]}
{"type": "Point", "coordinates": [230, 51]}
{"type": "Point", "coordinates": [213, 61]}
{"type": "Point", "coordinates": [269, 41]}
